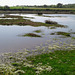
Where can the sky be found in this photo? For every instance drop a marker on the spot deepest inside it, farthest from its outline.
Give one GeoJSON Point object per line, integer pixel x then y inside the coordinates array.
{"type": "Point", "coordinates": [34, 2]}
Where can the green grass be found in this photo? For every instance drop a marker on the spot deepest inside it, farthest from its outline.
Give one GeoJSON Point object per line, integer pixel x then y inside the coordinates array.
{"type": "Point", "coordinates": [28, 62]}
{"type": "Point", "coordinates": [63, 33]}
{"type": "Point", "coordinates": [18, 7]}
{"type": "Point", "coordinates": [53, 63]}
{"type": "Point", "coordinates": [73, 37]}
{"type": "Point", "coordinates": [37, 8]}
{"type": "Point", "coordinates": [62, 62]}
{"type": "Point", "coordinates": [56, 8]}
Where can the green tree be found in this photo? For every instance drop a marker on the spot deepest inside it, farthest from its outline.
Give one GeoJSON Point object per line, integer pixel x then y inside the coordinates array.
{"type": "Point", "coordinates": [59, 5]}
{"type": "Point", "coordinates": [6, 7]}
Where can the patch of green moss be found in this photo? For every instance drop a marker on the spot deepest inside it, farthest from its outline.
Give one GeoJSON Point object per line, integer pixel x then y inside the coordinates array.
{"type": "Point", "coordinates": [73, 37]}
{"type": "Point", "coordinates": [61, 33]}
{"type": "Point", "coordinates": [31, 35]}
{"type": "Point", "coordinates": [38, 31]}
{"type": "Point", "coordinates": [62, 62]}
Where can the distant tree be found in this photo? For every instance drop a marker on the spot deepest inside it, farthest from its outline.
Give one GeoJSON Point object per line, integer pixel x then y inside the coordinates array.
{"type": "Point", "coordinates": [69, 6]}
{"type": "Point", "coordinates": [59, 5]}
{"type": "Point", "coordinates": [45, 5]}
{"type": "Point", "coordinates": [6, 7]}
{"type": "Point", "coordinates": [53, 6]}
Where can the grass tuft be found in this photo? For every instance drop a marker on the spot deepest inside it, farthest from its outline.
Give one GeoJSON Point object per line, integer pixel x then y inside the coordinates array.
{"type": "Point", "coordinates": [31, 35]}
{"type": "Point", "coordinates": [61, 33]}
{"type": "Point", "coordinates": [38, 31]}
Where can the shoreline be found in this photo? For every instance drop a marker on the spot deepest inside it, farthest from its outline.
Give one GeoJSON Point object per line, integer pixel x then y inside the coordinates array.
{"type": "Point", "coordinates": [39, 61]}
{"type": "Point", "coordinates": [36, 12]}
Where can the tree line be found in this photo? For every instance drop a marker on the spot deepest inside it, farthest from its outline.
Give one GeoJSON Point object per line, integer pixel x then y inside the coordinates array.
{"type": "Point", "coordinates": [59, 5]}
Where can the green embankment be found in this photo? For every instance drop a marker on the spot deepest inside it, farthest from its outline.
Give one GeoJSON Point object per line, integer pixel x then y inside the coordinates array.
{"type": "Point", "coordinates": [38, 8]}
{"type": "Point", "coordinates": [35, 10]}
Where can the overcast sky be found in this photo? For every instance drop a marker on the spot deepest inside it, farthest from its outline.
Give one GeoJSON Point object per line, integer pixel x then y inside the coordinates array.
{"type": "Point", "coordinates": [33, 2]}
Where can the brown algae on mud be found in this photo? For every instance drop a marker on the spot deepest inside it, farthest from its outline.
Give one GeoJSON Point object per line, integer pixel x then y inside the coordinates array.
{"type": "Point", "coordinates": [31, 35]}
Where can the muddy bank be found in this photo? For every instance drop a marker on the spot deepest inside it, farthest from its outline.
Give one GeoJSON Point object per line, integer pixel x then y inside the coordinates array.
{"type": "Point", "coordinates": [36, 12]}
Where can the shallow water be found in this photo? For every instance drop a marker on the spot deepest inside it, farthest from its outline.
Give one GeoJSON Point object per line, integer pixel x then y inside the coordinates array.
{"type": "Point", "coordinates": [64, 19]}
{"type": "Point", "coordinates": [11, 42]}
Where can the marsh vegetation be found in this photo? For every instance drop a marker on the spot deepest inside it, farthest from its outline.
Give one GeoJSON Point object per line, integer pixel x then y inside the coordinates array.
{"type": "Point", "coordinates": [52, 55]}
{"type": "Point", "coordinates": [61, 33]}
{"type": "Point", "coordinates": [38, 31]}
{"type": "Point", "coordinates": [22, 22]}
{"type": "Point", "coordinates": [31, 35]}
{"type": "Point", "coordinates": [42, 60]}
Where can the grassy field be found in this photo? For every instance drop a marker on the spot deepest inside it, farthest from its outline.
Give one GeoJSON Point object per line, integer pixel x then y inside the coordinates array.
{"type": "Point", "coordinates": [45, 9]}
{"type": "Point", "coordinates": [37, 8]}
{"type": "Point", "coordinates": [19, 7]}
{"type": "Point", "coordinates": [71, 9]}
{"type": "Point", "coordinates": [53, 63]}
{"type": "Point", "coordinates": [56, 63]}
{"type": "Point", "coordinates": [33, 10]}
